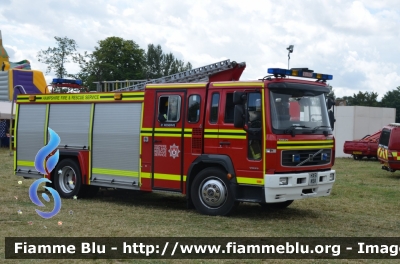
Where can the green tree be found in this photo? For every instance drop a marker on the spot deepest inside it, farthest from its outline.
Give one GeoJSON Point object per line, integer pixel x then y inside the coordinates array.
{"type": "Point", "coordinates": [365, 99]}
{"type": "Point", "coordinates": [392, 99]}
{"type": "Point", "coordinates": [114, 59]}
{"type": "Point", "coordinates": [57, 57]}
{"type": "Point", "coordinates": [362, 99]}
{"type": "Point", "coordinates": [160, 64]}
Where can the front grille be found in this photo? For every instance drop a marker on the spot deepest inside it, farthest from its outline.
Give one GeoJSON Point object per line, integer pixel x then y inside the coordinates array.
{"type": "Point", "coordinates": [317, 159]}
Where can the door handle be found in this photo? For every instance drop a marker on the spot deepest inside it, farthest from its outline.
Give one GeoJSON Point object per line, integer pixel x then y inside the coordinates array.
{"type": "Point", "coordinates": [157, 141]}
{"type": "Point", "coordinates": [224, 143]}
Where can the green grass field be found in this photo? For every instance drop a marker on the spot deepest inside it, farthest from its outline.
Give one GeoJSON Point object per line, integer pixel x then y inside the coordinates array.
{"type": "Point", "coordinates": [365, 202]}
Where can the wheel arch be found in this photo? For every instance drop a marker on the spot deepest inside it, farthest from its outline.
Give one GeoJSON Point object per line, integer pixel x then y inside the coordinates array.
{"type": "Point", "coordinates": [80, 157]}
{"type": "Point", "coordinates": [202, 162]}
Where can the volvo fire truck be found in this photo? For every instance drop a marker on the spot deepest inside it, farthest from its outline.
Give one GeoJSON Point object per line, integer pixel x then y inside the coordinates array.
{"type": "Point", "coordinates": [202, 133]}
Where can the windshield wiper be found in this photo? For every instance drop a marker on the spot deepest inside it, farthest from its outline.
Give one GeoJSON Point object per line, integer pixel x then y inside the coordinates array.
{"type": "Point", "coordinates": [319, 127]}
{"type": "Point", "coordinates": [292, 129]}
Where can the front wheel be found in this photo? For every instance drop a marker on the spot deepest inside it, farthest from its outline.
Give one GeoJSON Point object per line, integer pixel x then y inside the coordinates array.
{"type": "Point", "coordinates": [276, 206]}
{"type": "Point", "coordinates": [67, 178]}
{"type": "Point", "coordinates": [211, 192]}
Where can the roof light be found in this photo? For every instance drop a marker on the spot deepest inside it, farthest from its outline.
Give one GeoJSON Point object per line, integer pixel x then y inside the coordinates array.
{"type": "Point", "coordinates": [57, 80]}
{"type": "Point", "coordinates": [300, 72]}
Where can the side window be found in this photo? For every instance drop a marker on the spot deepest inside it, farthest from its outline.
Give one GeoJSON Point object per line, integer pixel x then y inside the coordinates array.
{"type": "Point", "coordinates": [229, 108]}
{"type": "Point", "coordinates": [194, 108]}
{"type": "Point", "coordinates": [214, 108]}
{"type": "Point", "coordinates": [254, 110]}
{"type": "Point", "coordinates": [169, 108]}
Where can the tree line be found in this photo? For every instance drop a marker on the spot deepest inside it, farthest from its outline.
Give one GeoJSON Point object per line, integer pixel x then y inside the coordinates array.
{"type": "Point", "coordinates": [390, 99]}
{"type": "Point", "coordinates": [113, 59]}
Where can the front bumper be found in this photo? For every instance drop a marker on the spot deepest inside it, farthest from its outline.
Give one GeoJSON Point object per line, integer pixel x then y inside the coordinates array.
{"type": "Point", "coordinates": [298, 186]}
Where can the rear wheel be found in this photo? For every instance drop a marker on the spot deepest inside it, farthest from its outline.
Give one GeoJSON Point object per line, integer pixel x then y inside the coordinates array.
{"type": "Point", "coordinates": [276, 206]}
{"type": "Point", "coordinates": [67, 178]}
{"type": "Point", "coordinates": [211, 192]}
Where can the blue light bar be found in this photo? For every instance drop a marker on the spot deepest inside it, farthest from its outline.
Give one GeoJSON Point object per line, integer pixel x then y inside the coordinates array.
{"type": "Point", "coordinates": [78, 82]}
{"type": "Point", "coordinates": [304, 73]}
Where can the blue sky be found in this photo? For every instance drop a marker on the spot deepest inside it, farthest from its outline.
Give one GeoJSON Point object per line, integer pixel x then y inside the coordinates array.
{"type": "Point", "coordinates": [355, 41]}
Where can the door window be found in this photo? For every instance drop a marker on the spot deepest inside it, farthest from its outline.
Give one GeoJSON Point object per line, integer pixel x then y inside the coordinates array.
{"type": "Point", "coordinates": [168, 107]}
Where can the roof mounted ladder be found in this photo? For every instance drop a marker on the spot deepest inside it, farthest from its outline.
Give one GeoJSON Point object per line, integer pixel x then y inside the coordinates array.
{"type": "Point", "coordinates": [200, 74]}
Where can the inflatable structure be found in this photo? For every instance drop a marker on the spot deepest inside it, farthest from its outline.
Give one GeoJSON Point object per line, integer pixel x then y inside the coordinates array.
{"type": "Point", "coordinates": [18, 73]}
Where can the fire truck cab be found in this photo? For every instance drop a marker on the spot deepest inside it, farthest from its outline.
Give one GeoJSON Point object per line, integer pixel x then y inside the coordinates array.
{"type": "Point", "coordinates": [220, 142]}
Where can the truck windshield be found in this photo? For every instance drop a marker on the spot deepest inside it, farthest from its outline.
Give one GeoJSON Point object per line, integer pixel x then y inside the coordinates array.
{"type": "Point", "coordinates": [300, 110]}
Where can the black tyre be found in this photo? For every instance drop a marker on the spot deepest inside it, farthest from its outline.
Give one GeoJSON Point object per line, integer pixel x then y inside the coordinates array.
{"type": "Point", "coordinates": [211, 192]}
{"type": "Point", "coordinates": [357, 157]}
{"type": "Point", "coordinates": [276, 206]}
{"type": "Point", "coordinates": [68, 179]}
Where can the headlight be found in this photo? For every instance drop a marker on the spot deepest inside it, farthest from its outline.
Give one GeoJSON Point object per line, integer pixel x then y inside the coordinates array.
{"type": "Point", "coordinates": [283, 181]}
{"type": "Point", "coordinates": [331, 176]}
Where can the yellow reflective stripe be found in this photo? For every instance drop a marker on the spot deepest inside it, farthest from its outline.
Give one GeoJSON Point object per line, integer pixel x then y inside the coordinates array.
{"type": "Point", "coordinates": [177, 85]}
{"type": "Point", "coordinates": [233, 137]}
{"type": "Point", "coordinates": [210, 130]}
{"type": "Point", "coordinates": [146, 134]}
{"type": "Point", "coordinates": [162, 176]}
{"type": "Point", "coordinates": [232, 131]}
{"type": "Point", "coordinates": [177, 130]}
{"type": "Point", "coordinates": [247, 180]}
{"type": "Point", "coordinates": [304, 142]}
{"type": "Point", "coordinates": [46, 124]}
{"type": "Point", "coordinates": [15, 136]}
{"type": "Point", "coordinates": [115, 172]}
{"type": "Point", "coordinates": [89, 176]}
{"type": "Point", "coordinates": [140, 143]}
{"type": "Point", "coordinates": [259, 84]}
{"type": "Point", "coordinates": [263, 124]}
{"type": "Point", "coordinates": [25, 163]}
{"type": "Point", "coordinates": [306, 147]}
{"type": "Point", "coordinates": [145, 175]}
{"type": "Point", "coordinates": [88, 97]}
{"type": "Point", "coordinates": [172, 135]}
{"type": "Point", "coordinates": [210, 136]}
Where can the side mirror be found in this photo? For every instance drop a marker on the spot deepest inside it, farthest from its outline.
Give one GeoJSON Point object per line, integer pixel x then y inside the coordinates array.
{"type": "Point", "coordinates": [239, 97]}
{"type": "Point", "coordinates": [332, 119]}
{"type": "Point", "coordinates": [329, 103]}
{"type": "Point", "coordinates": [238, 116]}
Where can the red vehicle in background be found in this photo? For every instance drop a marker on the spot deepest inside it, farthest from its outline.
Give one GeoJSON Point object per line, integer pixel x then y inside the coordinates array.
{"type": "Point", "coordinates": [365, 147]}
{"type": "Point", "coordinates": [389, 147]}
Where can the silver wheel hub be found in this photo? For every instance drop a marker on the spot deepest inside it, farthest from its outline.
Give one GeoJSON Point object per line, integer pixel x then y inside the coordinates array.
{"type": "Point", "coordinates": [213, 192]}
{"type": "Point", "coordinates": [67, 179]}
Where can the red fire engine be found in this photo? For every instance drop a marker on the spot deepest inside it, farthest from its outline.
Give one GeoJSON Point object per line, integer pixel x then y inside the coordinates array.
{"type": "Point", "coordinates": [202, 133]}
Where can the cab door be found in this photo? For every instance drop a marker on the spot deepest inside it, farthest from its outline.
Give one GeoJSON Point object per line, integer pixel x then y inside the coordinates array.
{"type": "Point", "coordinates": [244, 148]}
{"type": "Point", "coordinates": [168, 141]}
